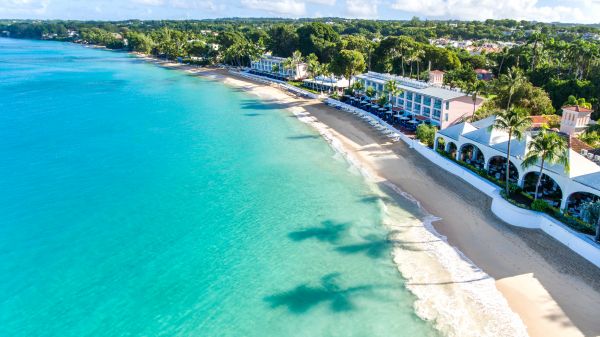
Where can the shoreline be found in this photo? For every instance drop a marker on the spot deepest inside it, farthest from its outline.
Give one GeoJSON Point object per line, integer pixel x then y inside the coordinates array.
{"type": "Point", "coordinates": [532, 282]}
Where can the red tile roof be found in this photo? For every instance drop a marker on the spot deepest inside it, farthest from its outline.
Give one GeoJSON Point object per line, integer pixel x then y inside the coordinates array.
{"type": "Point", "coordinates": [537, 121]}
{"type": "Point", "coordinates": [437, 72]}
{"type": "Point", "coordinates": [577, 145]}
{"type": "Point", "coordinates": [577, 108]}
{"type": "Point", "coordinates": [482, 71]}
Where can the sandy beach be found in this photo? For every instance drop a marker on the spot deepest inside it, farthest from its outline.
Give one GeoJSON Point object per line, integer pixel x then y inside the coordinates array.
{"type": "Point", "coordinates": [494, 268]}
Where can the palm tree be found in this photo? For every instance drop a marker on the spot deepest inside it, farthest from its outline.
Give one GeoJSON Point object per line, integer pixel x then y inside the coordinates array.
{"type": "Point", "coordinates": [293, 61]}
{"type": "Point", "coordinates": [515, 122]}
{"type": "Point", "coordinates": [357, 86]}
{"type": "Point", "coordinates": [474, 90]}
{"type": "Point", "coordinates": [276, 68]}
{"type": "Point", "coordinates": [546, 147]}
{"type": "Point", "coordinates": [392, 88]}
{"type": "Point", "coordinates": [591, 212]}
{"type": "Point", "coordinates": [419, 55]}
{"type": "Point", "coordinates": [313, 67]}
{"type": "Point", "coordinates": [510, 82]}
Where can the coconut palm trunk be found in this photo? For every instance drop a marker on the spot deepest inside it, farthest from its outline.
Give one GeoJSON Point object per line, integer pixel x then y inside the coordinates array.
{"type": "Point", "coordinates": [597, 238]}
{"type": "Point", "coordinates": [539, 180]}
{"type": "Point", "coordinates": [508, 163]}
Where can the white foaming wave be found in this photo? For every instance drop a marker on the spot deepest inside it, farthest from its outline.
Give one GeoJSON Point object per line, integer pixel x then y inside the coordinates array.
{"type": "Point", "coordinates": [452, 292]}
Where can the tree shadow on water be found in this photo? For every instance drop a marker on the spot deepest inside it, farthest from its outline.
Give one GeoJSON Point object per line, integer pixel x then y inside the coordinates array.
{"type": "Point", "coordinates": [329, 232]}
{"type": "Point", "coordinates": [300, 137]}
{"type": "Point", "coordinates": [305, 297]}
{"type": "Point", "coordinates": [376, 247]}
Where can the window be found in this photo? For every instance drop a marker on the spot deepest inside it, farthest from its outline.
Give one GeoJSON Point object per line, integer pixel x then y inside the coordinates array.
{"type": "Point", "coordinates": [446, 117]}
{"type": "Point", "coordinates": [426, 100]}
{"type": "Point", "coordinates": [418, 98]}
{"type": "Point", "coordinates": [438, 104]}
{"type": "Point", "coordinates": [417, 108]}
{"type": "Point", "coordinates": [447, 106]}
{"type": "Point", "coordinates": [409, 96]}
{"type": "Point", "coordinates": [426, 111]}
{"type": "Point", "coordinates": [437, 114]}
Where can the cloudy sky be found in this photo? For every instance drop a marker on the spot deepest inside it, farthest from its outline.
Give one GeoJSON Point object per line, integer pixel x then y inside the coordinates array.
{"type": "Point", "coordinates": [578, 11]}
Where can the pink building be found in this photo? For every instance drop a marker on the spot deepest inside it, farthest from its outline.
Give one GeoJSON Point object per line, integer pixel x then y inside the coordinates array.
{"type": "Point", "coordinates": [440, 105]}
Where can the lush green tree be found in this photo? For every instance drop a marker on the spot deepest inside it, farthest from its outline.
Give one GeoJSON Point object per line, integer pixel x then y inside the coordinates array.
{"type": "Point", "coordinates": [546, 147]}
{"type": "Point", "coordinates": [318, 38]}
{"type": "Point", "coordinates": [572, 101]}
{"type": "Point", "coordinates": [474, 90]}
{"type": "Point", "coordinates": [591, 212]}
{"type": "Point", "coordinates": [348, 63]}
{"type": "Point", "coordinates": [509, 82]}
{"type": "Point", "coordinates": [283, 40]}
{"type": "Point", "coordinates": [426, 134]}
{"type": "Point", "coordinates": [139, 42]}
{"type": "Point", "coordinates": [293, 61]}
{"type": "Point", "coordinates": [393, 90]}
{"type": "Point", "coordinates": [514, 122]}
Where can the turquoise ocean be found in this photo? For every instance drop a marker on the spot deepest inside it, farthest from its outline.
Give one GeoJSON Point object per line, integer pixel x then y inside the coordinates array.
{"type": "Point", "coordinates": [141, 201]}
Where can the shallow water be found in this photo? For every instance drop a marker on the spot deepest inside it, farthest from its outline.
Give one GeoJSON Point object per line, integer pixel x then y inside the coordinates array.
{"type": "Point", "coordinates": [142, 201]}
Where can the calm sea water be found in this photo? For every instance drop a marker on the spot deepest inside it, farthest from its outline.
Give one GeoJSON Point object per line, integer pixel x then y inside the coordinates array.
{"type": "Point", "coordinates": [139, 201]}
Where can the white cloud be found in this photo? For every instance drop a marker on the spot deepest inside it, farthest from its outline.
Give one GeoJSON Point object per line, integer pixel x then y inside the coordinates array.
{"type": "Point", "coordinates": [362, 8]}
{"type": "Point", "coordinates": [500, 9]}
{"type": "Point", "coordinates": [18, 7]}
{"type": "Point", "coordinates": [194, 4]}
{"type": "Point", "coordinates": [150, 2]}
{"type": "Point", "coordinates": [289, 7]}
{"type": "Point", "coordinates": [322, 2]}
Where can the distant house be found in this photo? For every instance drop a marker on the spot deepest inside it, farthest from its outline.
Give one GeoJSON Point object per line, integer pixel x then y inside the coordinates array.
{"type": "Point", "coordinates": [484, 75]}
{"type": "Point", "coordinates": [575, 119]}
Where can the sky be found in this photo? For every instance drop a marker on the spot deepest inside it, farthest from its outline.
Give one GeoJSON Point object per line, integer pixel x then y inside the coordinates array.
{"type": "Point", "coordinates": [572, 11]}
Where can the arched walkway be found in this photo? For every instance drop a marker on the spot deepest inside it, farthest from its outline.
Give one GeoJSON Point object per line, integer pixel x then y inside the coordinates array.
{"type": "Point", "coordinates": [471, 154]}
{"type": "Point", "coordinates": [441, 144]}
{"type": "Point", "coordinates": [549, 189]}
{"type": "Point", "coordinates": [451, 149]}
{"type": "Point", "coordinates": [497, 169]}
{"type": "Point", "coordinates": [577, 199]}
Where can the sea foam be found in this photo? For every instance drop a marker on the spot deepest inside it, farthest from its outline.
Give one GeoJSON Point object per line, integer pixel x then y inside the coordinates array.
{"type": "Point", "coordinates": [451, 291]}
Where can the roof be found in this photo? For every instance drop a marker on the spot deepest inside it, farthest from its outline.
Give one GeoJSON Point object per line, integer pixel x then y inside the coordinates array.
{"type": "Point", "coordinates": [418, 87]}
{"type": "Point", "coordinates": [482, 71]}
{"type": "Point", "coordinates": [436, 72]}
{"type": "Point", "coordinates": [578, 145]}
{"type": "Point", "coordinates": [484, 123]}
{"type": "Point", "coordinates": [577, 108]}
{"type": "Point", "coordinates": [538, 120]}
{"type": "Point", "coordinates": [455, 131]}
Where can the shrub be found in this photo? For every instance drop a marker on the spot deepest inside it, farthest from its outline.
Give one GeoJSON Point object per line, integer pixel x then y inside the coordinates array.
{"type": "Point", "coordinates": [426, 134]}
{"type": "Point", "coordinates": [539, 205]}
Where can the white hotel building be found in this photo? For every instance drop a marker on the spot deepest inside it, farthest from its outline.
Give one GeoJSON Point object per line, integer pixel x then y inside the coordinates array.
{"type": "Point", "coordinates": [267, 63]}
{"type": "Point", "coordinates": [431, 101]}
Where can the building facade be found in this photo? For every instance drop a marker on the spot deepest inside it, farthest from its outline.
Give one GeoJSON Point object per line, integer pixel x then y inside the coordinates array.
{"type": "Point", "coordinates": [575, 119]}
{"type": "Point", "coordinates": [273, 66]}
{"type": "Point", "coordinates": [442, 106]}
{"type": "Point", "coordinates": [477, 145]}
